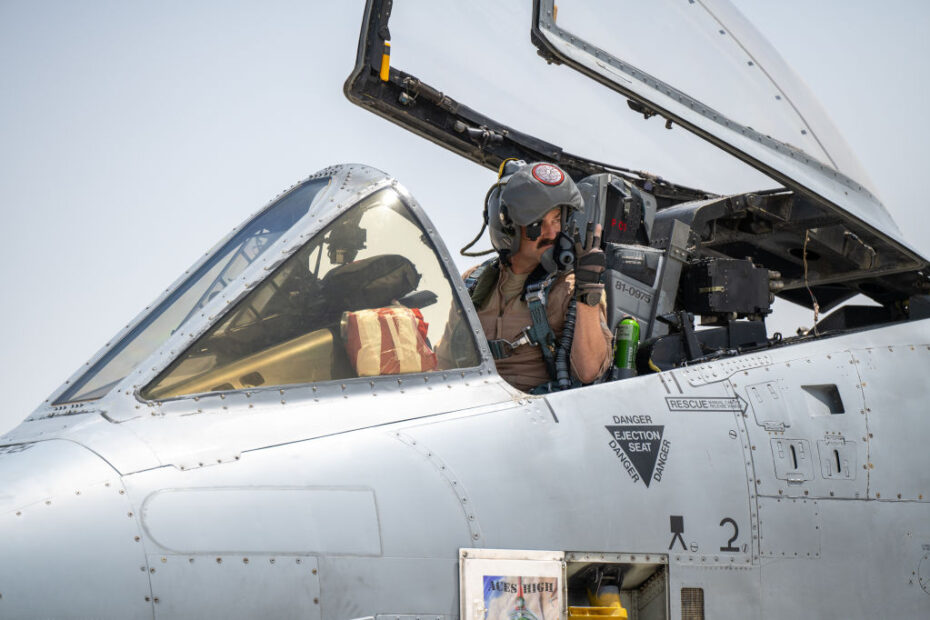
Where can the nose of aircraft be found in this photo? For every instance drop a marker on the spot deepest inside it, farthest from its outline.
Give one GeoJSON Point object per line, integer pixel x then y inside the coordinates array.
{"type": "Point", "coordinates": [70, 544]}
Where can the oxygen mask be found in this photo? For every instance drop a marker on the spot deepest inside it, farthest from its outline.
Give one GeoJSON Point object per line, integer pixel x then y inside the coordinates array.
{"type": "Point", "coordinates": [560, 256]}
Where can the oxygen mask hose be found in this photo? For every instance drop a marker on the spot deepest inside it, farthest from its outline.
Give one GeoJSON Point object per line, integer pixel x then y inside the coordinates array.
{"type": "Point", "coordinates": [562, 356]}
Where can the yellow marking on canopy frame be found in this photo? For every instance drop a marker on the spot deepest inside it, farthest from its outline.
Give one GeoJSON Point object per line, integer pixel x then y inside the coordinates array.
{"type": "Point", "coordinates": [386, 62]}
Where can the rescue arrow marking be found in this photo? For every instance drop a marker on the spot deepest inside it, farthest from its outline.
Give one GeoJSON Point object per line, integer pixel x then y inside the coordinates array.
{"type": "Point", "coordinates": [712, 403]}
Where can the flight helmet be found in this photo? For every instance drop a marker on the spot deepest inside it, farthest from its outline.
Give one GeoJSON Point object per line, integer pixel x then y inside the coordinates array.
{"type": "Point", "coordinates": [522, 196]}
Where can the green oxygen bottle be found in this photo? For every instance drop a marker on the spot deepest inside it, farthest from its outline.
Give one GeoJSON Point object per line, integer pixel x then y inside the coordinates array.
{"type": "Point", "coordinates": [625, 352]}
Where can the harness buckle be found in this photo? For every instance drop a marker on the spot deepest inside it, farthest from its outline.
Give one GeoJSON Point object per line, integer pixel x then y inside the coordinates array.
{"type": "Point", "coordinates": [502, 349]}
{"type": "Point", "coordinates": [536, 293]}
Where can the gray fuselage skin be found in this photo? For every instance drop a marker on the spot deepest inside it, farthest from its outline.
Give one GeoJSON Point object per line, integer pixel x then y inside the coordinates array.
{"type": "Point", "coordinates": [793, 479]}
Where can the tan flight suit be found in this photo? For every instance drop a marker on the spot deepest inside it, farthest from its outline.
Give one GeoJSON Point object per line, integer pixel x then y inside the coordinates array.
{"type": "Point", "coordinates": [504, 315]}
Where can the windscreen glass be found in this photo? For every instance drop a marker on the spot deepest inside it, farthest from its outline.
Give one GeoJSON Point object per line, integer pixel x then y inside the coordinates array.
{"type": "Point", "coordinates": [223, 266]}
{"type": "Point", "coordinates": [366, 297]}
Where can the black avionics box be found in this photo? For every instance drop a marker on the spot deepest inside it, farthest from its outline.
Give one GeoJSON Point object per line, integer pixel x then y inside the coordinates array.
{"type": "Point", "coordinates": [723, 285]}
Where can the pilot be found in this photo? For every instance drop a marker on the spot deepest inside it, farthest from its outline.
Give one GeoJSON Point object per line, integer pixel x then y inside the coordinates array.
{"type": "Point", "coordinates": [547, 327]}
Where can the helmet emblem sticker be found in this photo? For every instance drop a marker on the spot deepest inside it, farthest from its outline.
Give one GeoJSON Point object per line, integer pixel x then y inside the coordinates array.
{"type": "Point", "coordinates": [548, 174]}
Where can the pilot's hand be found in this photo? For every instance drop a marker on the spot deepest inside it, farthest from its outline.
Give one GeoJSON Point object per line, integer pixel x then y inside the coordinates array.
{"type": "Point", "coordinates": [590, 263]}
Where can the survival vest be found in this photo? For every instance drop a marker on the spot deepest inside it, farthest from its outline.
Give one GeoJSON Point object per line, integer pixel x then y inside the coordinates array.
{"type": "Point", "coordinates": [480, 285]}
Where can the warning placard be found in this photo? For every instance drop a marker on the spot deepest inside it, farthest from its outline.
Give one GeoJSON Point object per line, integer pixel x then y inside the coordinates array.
{"type": "Point", "coordinates": [640, 448]}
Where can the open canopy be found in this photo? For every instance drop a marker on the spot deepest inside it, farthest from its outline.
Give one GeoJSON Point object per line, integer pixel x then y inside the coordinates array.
{"type": "Point", "coordinates": [700, 66]}
{"type": "Point", "coordinates": [720, 79]}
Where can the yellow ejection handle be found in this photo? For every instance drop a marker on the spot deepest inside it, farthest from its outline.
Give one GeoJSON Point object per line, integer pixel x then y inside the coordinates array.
{"type": "Point", "coordinates": [386, 62]}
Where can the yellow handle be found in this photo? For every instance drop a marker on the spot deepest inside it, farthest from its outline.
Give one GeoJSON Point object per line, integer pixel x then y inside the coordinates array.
{"type": "Point", "coordinates": [386, 62]}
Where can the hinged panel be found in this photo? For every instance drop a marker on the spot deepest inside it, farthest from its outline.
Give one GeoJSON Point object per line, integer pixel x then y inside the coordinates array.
{"type": "Point", "coordinates": [769, 404]}
{"type": "Point", "coordinates": [238, 585]}
{"type": "Point", "coordinates": [838, 458]}
{"type": "Point", "coordinates": [789, 528]}
{"type": "Point", "coordinates": [496, 583]}
{"type": "Point", "coordinates": [793, 460]}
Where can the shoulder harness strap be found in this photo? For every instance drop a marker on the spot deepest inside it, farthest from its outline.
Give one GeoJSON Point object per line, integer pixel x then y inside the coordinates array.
{"type": "Point", "coordinates": [540, 332]}
{"type": "Point", "coordinates": [480, 283]}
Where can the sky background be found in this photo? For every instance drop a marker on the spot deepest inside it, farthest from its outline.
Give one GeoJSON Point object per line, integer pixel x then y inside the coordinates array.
{"type": "Point", "coordinates": [134, 135]}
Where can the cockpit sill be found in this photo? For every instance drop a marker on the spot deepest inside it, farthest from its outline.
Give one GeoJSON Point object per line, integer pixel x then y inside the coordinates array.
{"type": "Point", "coordinates": [315, 393]}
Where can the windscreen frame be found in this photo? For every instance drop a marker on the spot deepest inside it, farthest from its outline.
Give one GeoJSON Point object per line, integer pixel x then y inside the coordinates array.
{"type": "Point", "coordinates": [313, 240]}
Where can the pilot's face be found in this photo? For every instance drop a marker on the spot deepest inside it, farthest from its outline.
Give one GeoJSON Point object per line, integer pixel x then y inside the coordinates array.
{"type": "Point", "coordinates": [551, 226]}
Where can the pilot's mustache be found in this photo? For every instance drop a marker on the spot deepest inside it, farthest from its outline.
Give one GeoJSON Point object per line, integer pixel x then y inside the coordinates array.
{"type": "Point", "coordinates": [544, 243]}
